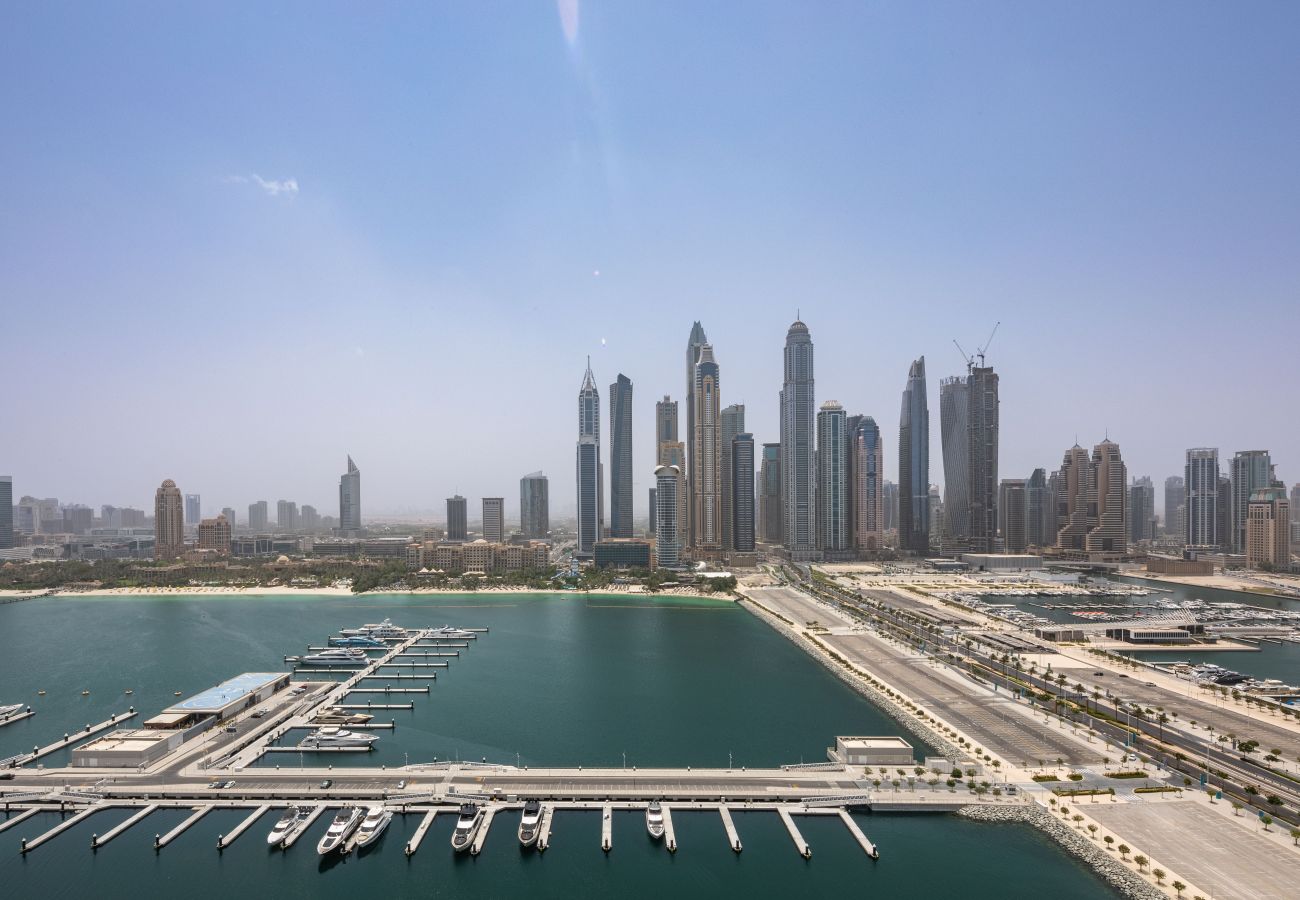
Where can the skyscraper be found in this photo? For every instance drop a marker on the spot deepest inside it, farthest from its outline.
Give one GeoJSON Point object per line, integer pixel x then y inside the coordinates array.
{"type": "Point", "coordinates": [1201, 503]}
{"type": "Point", "coordinates": [168, 522]}
{"type": "Point", "coordinates": [733, 423]}
{"type": "Point", "coordinates": [667, 544]}
{"type": "Point", "coordinates": [833, 537]}
{"type": "Point", "coordinates": [1141, 510]}
{"type": "Point", "coordinates": [686, 528]}
{"type": "Point", "coordinates": [534, 506]}
{"type": "Point", "coordinates": [1224, 509]}
{"type": "Point", "coordinates": [891, 505]}
{"type": "Point", "coordinates": [494, 519]}
{"type": "Point", "coordinates": [798, 453]}
{"type": "Point", "coordinates": [620, 457]}
{"type": "Point", "coordinates": [192, 511]}
{"type": "Point", "coordinates": [1072, 499]}
{"type": "Point", "coordinates": [457, 519]}
{"type": "Point", "coordinates": [983, 459]}
{"type": "Point", "coordinates": [1092, 501]}
{"type": "Point", "coordinates": [706, 457]}
{"type": "Point", "coordinates": [771, 502]}
{"type": "Point", "coordinates": [309, 518]}
{"type": "Point", "coordinates": [1268, 530]}
{"type": "Point", "coordinates": [1175, 502]}
{"type": "Point", "coordinates": [258, 514]}
{"type": "Point", "coordinates": [1251, 470]}
{"type": "Point", "coordinates": [214, 534]}
{"type": "Point", "coordinates": [652, 511]}
{"type": "Point", "coordinates": [6, 512]}
{"type": "Point", "coordinates": [286, 515]}
{"type": "Point", "coordinates": [866, 485]}
{"type": "Point", "coordinates": [914, 463]}
{"type": "Point", "coordinates": [1040, 515]}
{"type": "Point", "coordinates": [1013, 512]}
{"type": "Point", "coordinates": [665, 422]}
{"type": "Point", "coordinates": [742, 492]}
{"type": "Point", "coordinates": [954, 432]}
{"type": "Point", "coordinates": [350, 501]}
{"type": "Point", "coordinates": [229, 513]}
{"type": "Point", "coordinates": [588, 467]}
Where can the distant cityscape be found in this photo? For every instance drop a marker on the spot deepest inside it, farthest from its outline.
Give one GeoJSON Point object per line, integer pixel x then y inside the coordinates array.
{"type": "Point", "coordinates": [720, 499]}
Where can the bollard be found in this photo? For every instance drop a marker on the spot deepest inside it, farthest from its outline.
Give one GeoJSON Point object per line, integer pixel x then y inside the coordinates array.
{"type": "Point", "coordinates": [94, 841]}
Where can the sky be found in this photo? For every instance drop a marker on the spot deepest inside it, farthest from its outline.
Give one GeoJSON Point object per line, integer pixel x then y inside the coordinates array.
{"type": "Point", "coordinates": [240, 241]}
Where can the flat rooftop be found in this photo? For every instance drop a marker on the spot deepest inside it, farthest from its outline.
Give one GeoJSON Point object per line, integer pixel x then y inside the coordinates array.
{"type": "Point", "coordinates": [215, 699]}
{"type": "Point", "coordinates": [875, 743]}
{"type": "Point", "coordinates": [125, 741]}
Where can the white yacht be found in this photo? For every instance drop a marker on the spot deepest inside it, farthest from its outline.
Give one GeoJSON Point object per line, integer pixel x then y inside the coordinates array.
{"type": "Point", "coordinates": [384, 629]}
{"type": "Point", "coordinates": [340, 830]}
{"type": "Point", "coordinates": [332, 736]}
{"type": "Point", "coordinates": [290, 823]}
{"type": "Point", "coordinates": [530, 823]}
{"type": "Point", "coordinates": [376, 820]}
{"type": "Point", "coordinates": [471, 817]}
{"type": "Point", "coordinates": [654, 820]}
{"type": "Point", "coordinates": [7, 711]}
{"type": "Point", "coordinates": [336, 656]}
{"type": "Point", "coordinates": [335, 715]}
{"type": "Point", "coordinates": [446, 631]}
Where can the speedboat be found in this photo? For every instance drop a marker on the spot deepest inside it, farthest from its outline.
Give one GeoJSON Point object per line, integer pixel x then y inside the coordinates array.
{"type": "Point", "coordinates": [335, 715]}
{"type": "Point", "coordinates": [471, 817]}
{"type": "Point", "coordinates": [654, 820]}
{"type": "Point", "coordinates": [7, 711]}
{"type": "Point", "coordinates": [358, 640]}
{"type": "Point", "coordinates": [338, 656]}
{"type": "Point", "coordinates": [530, 823]}
{"type": "Point", "coordinates": [291, 821]}
{"type": "Point", "coordinates": [340, 830]}
{"type": "Point", "coordinates": [333, 736]}
{"type": "Point", "coordinates": [376, 820]}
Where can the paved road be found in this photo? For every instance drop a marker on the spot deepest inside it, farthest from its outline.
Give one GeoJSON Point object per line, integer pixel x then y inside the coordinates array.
{"type": "Point", "coordinates": [1216, 855]}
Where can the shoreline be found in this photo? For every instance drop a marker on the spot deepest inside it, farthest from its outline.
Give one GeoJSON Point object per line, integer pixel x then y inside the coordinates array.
{"type": "Point", "coordinates": [329, 591]}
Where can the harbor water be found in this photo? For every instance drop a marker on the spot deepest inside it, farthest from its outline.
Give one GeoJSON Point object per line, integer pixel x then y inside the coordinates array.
{"type": "Point", "coordinates": [559, 679]}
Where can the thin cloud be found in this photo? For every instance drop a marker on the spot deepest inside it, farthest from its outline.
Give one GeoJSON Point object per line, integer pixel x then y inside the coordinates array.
{"type": "Point", "coordinates": [274, 187]}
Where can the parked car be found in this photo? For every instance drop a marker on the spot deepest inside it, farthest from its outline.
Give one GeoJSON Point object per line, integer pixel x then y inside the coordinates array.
{"type": "Point", "coordinates": [327, 783]}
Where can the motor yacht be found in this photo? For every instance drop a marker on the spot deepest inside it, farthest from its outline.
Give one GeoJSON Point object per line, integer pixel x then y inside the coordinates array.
{"type": "Point", "coordinates": [446, 631]}
{"type": "Point", "coordinates": [530, 823]}
{"type": "Point", "coordinates": [335, 715]}
{"type": "Point", "coordinates": [364, 641]}
{"type": "Point", "coordinates": [384, 629]}
{"type": "Point", "coordinates": [7, 711]}
{"type": "Point", "coordinates": [376, 820]}
{"type": "Point", "coordinates": [471, 817]}
{"type": "Point", "coordinates": [331, 736]}
{"type": "Point", "coordinates": [654, 820]}
{"type": "Point", "coordinates": [338, 656]}
{"type": "Point", "coordinates": [291, 822]}
{"type": "Point", "coordinates": [340, 830]}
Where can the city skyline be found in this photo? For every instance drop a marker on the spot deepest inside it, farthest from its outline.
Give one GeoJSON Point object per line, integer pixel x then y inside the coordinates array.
{"type": "Point", "coordinates": [546, 245]}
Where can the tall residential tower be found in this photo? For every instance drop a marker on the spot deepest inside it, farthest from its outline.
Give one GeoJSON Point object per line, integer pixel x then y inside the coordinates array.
{"type": "Point", "coordinates": [798, 461]}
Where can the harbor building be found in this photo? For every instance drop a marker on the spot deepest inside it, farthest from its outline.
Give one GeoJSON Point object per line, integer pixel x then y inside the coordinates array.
{"type": "Point", "coordinates": [798, 452]}
{"type": "Point", "coordinates": [350, 501]}
{"type": "Point", "coordinates": [534, 506]}
{"type": "Point", "coordinates": [668, 481]}
{"type": "Point", "coordinates": [457, 519]}
{"type": "Point", "coordinates": [494, 519]}
{"type": "Point", "coordinates": [872, 751]}
{"type": "Point", "coordinates": [620, 457]}
{"type": "Point", "coordinates": [168, 522]}
{"type": "Point", "coordinates": [914, 463]}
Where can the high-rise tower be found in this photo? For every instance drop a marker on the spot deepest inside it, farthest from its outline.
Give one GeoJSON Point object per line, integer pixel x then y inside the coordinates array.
{"type": "Point", "coordinates": [954, 435]}
{"type": "Point", "coordinates": [457, 519]}
{"type": "Point", "coordinates": [833, 537]}
{"type": "Point", "coordinates": [1175, 506]}
{"type": "Point", "coordinates": [1251, 470]}
{"type": "Point", "coordinates": [771, 508]}
{"type": "Point", "coordinates": [6, 512]}
{"type": "Point", "coordinates": [1141, 510]}
{"type": "Point", "coordinates": [193, 512]}
{"type": "Point", "coordinates": [733, 423]}
{"type": "Point", "coordinates": [667, 544]}
{"type": "Point", "coordinates": [866, 485]}
{"type": "Point", "coordinates": [534, 506]}
{"type": "Point", "coordinates": [1201, 503]}
{"type": "Point", "coordinates": [686, 528]}
{"type": "Point", "coordinates": [620, 458]}
{"type": "Point", "coordinates": [706, 457]}
{"type": "Point", "coordinates": [590, 493]}
{"type": "Point", "coordinates": [983, 459]}
{"type": "Point", "coordinates": [1040, 511]}
{"type": "Point", "coordinates": [742, 493]}
{"type": "Point", "coordinates": [168, 522]}
{"type": "Point", "coordinates": [494, 519]}
{"type": "Point", "coordinates": [914, 463]}
{"type": "Point", "coordinates": [350, 501]}
{"type": "Point", "coordinates": [798, 459]}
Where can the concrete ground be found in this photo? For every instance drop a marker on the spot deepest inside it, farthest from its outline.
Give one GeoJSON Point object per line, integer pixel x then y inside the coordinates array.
{"type": "Point", "coordinates": [1222, 857]}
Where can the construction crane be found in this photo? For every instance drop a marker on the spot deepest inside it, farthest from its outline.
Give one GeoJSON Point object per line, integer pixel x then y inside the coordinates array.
{"type": "Point", "coordinates": [979, 353]}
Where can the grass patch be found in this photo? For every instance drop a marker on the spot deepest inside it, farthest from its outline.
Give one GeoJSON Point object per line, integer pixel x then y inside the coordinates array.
{"type": "Point", "coordinates": [1156, 790]}
{"type": "Point", "coordinates": [1041, 778]}
{"type": "Point", "coordinates": [1075, 776]}
{"type": "Point", "coordinates": [1083, 792]}
{"type": "Point", "coordinates": [1127, 775]}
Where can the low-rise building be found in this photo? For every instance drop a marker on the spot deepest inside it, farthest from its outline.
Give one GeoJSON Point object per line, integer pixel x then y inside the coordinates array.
{"type": "Point", "coordinates": [623, 553]}
{"type": "Point", "coordinates": [872, 751]}
{"type": "Point", "coordinates": [455, 558]}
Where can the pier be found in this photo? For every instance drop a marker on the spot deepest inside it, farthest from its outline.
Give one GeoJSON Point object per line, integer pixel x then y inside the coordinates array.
{"type": "Point", "coordinates": [17, 717]}
{"type": "Point", "coordinates": [481, 837]}
{"type": "Point", "coordinates": [420, 831]}
{"type": "Point", "coordinates": [293, 838]}
{"type": "Point", "coordinates": [670, 836]}
{"type": "Point", "coordinates": [866, 845]}
{"type": "Point", "coordinates": [544, 833]}
{"type": "Point", "coordinates": [29, 846]}
{"type": "Point", "coordinates": [733, 839]}
{"type": "Point", "coordinates": [70, 739]}
{"type": "Point", "coordinates": [99, 840]}
{"type": "Point", "coordinates": [21, 817]}
{"type": "Point", "coordinates": [607, 828]}
{"type": "Point", "coordinates": [160, 842]}
{"type": "Point", "coordinates": [413, 665]}
{"type": "Point", "coordinates": [369, 705]}
{"type": "Point", "coordinates": [390, 690]}
{"type": "Point", "coordinates": [225, 840]}
{"type": "Point", "coordinates": [799, 843]}
{"type": "Point", "coordinates": [401, 676]}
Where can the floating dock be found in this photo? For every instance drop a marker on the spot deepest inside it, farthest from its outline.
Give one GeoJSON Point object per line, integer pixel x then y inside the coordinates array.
{"type": "Point", "coordinates": [401, 676]}
{"type": "Point", "coordinates": [420, 831]}
{"type": "Point", "coordinates": [481, 837]}
{"type": "Point", "coordinates": [99, 840]}
{"type": "Point", "coordinates": [544, 826]}
{"type": "Point", "coordinates": [607, 828]}
{"type": "Point", "coordinates": [390, 690]}
{"type": "Point", "coordinates": [17, 717]}
{"type": "Point", "coordinates": [799, 843]}
{"type": "Point", "coordinates": [365, 749]}
{"type": "Point", "coordinates": [21, 817]}
{"type": "Point", "coordinates": [733, 839]}
{"type": "Point", "coordinates": [292, 839]}
{"type": "Point", "coordinates": [160, 842]}
{"type": "Point", "coordinates": [369, 705]}
{"type": "Point", "coordinates": [670, 836]}
{"type": "Point", "coordinates": [225, 840]}
{"type": "Point", "coordinates": [29, 846]}
{"type": "Point", "coordinates": [868, 847]}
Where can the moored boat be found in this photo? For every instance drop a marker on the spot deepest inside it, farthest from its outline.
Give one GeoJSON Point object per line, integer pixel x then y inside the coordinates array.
{"type": "Point", "coordinates": [654, 820]}
{"type": "Point", "coordinates": [376, 820]}
{"type": "Point", "coordinates": [530, 823]}
{"type": "Point", "coordinates": [340, 830]}
{"type": "Point", "coordinates": [290, 822]}
{"type": "Point", "coordinates": [471, 817]}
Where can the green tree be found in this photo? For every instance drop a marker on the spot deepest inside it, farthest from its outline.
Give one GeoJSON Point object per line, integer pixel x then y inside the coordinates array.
{"type": "Point", "coordinates": [1179, 887]}
{"type": "Point", "coordinates": [1141, 861]}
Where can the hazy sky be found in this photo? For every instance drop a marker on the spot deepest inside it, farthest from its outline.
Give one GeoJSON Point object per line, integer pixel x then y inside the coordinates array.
{"type": "Point", "coordinates": [239, 241]}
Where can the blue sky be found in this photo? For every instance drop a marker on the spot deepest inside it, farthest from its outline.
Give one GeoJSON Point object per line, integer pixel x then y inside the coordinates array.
{"type": "Point", "coordinates": [239, 241]}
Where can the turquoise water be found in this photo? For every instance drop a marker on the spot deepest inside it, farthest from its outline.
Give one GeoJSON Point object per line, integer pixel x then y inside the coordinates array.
{"type": "Point", "coordinates": [559, 679]}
